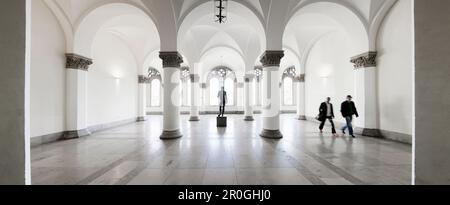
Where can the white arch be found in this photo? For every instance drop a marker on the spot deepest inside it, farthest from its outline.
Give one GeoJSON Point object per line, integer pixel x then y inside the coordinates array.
{"type": "Point", "coordinates": [89, 24]}
{"type": "Point", "coordinates": [64, 22]}
{"type": "Point", "coordinates": [378, 21]}
{"type": "Point", "coordinates": [344, 4]}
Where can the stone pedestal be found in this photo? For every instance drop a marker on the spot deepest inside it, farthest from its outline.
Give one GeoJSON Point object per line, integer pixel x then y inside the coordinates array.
{"type": "Point", "coordinates": [222, 121]}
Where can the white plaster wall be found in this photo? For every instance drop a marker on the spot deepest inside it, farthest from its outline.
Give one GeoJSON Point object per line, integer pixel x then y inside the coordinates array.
{"type": "Point", "coordinates": [112, 81]}
{"type": "Point", "coordinates": [47, 72]}
{"type": "Point", "coordinates": [329, 73]}
{"type": "Point", "coordinates": [395, 69]}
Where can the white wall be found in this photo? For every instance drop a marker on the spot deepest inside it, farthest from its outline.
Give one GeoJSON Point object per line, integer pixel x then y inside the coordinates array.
{"type": "Point", "coordinates": [395, 69]}
{"type": "Point", "coordinates": [329, 73]}
{"type": "Point", "coordinates": [47, 72]}
{"type": "Point", "coordinates": [112, 81]}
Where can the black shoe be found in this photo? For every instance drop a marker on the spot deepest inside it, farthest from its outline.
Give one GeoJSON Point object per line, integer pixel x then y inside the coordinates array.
{"type": "Point", "coordinates": [353, 136]}
{"type": "Point", "coordinates": [343, 132]}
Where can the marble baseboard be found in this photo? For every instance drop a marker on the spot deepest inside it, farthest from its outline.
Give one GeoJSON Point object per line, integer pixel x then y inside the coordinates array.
{"type": "Point", "coordinates": [107, 126]}
{"type": "Point", "coordinates": [375, 133]}
{"type": "Point", "coordinates": [50, 138]}
{"type": "Point", "coordinates": [46, 139]}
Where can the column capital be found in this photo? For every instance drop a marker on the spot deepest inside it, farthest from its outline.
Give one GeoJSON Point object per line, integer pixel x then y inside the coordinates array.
{"type": "Point", "coordinates": [365, 60]}
{"type": "Point", "coordinates": [300, 78]}
{"type": "Point", "coordinates": [172, 59]}
{"type": "Point", "coordinates": [248, 78]}
{"type": "Point", "coordinates": [272, 58]}
{"type": "Point", "coordinates": [194, 78]}
{"type": "Point", "coordinates": [143, 79]}
{"type": "Point", "coordinates": [78, 62]}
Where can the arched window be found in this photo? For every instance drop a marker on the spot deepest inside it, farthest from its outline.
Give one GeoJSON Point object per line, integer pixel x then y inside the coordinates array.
{"type": "Point", "coordinates": [214, 87]}
{"type": "Point", "coordinates": [218, 77]}
{"type": "Point", "coordinates": [155, 99]}
{"type": "Point", "coordinates": [155, 80]}
{"type": "Point", "coordinates": [185, 86]}
{"type": "Point", "coordinates": [288, 86]}
{"type": "Point", "coordinates": [229, 88]}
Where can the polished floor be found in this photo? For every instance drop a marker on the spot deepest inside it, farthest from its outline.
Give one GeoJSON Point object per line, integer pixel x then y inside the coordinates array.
{"type": "Point", "coordinates": [134, 155]}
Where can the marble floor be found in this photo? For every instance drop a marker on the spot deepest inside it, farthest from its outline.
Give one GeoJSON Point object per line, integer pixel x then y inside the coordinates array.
{"type": "Point", "coordinates": [134, 155]}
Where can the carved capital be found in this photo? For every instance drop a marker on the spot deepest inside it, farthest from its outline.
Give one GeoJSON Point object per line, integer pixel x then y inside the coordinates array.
{"type": "Point", "coordinates": [143, 79]}
{"type": "Point", "coordinates": [249, 78]}
{"type": "Point", "coordinates": [365, 60]}
{"type": "Point", "coordinates": [74, 61]}
{"type": "Point", "coordinates": [272, 58]}
{"type": "Point", "coordinates": [171, 59]}
{"type": "Point", "coordinates": [300, 78]}
{"type": "Point", "coordinates": [194, 78]}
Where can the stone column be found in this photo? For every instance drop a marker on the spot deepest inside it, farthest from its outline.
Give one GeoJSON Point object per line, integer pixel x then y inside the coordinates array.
{"type": "Point", "coordinates": [142, 97]}
{"type": "Point", "coordinates": [271, 94]}
{"type": "Point", "coordinates": [248, 98]}
{"type": "Point", "coordinates": [15, 92]}
{"type": "Point", "coordinates": [366, 93]}
{"type": "Point", "coordinates": [171, 80]}
{"type": "Point", "coordinates": [301, 97]}
{"type": "Point", "coordinates": [195, 100]}
{"type": "Point", "coordinates": [76, 95]}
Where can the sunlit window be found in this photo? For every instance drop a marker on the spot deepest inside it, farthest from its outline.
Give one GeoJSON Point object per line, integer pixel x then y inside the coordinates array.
{"type": "Point", "coordinates": [214, 88]}
{"type": "Point", "coordinates": [229, 88]}
{"type": "Point", "coordinates": [288, 86]}
{"type": "Point", "coordinates": [155, 93]}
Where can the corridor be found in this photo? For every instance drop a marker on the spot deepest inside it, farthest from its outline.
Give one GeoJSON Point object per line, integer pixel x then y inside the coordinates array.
{"type": "Point", "coordinates": [134, 155]}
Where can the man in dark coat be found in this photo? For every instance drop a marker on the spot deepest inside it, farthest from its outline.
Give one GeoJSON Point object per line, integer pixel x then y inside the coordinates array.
{"type": "Point", "coordinates": [348, 110]}
{"type": "Point", "coordinates": [327, 113]}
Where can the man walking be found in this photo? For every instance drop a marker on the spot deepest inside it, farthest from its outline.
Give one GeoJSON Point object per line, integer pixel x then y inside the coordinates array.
{"type": "Point", "coordinates": [222, 95]}
{"type": "Point", "coordinates": [327, 113]}
{"type": "Point", "coordinates": [348, 110]}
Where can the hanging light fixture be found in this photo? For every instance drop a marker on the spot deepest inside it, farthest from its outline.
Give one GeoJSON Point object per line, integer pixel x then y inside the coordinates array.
{"type": "Point", "coordinates": [220, 11]}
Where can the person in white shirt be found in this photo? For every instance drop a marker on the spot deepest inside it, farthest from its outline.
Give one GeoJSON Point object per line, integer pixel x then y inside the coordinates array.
{"type": "Point", "coordinates": [327, 113]}
{"type": "Point", "coordinates": [222, 95]}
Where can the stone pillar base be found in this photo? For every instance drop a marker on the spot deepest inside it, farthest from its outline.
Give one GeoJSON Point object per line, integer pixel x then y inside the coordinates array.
{"type": "Point", "coordinates": [271, 134]}
{"type": "Point", "coordinates": [371, 133]}
{"type": "Point", "coordinates": [301, 117]}
{"type": "Point", "coordinates": [194, 119]}
{"type": "Point", "coordinates": [141, 119]}
{"type": "Point", "coordinates": [249, 118]}
{"type": "Point", "coordinates": [170, 135]}
{"type": "Point", "coordinates": [75, 134]}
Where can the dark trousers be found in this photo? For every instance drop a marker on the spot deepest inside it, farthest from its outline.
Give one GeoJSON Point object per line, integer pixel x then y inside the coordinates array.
{"type": "Point", "coordinates": [332, 124]}
{"type": "Point", "coordinates": [222, 110]}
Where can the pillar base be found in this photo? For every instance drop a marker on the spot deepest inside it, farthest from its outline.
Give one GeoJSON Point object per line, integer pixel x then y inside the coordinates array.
{"type": "Point", "coordinates": [271, 134]}
{"type": "Point", "coordinates": [249, 118]}
{"type": "Point", "coordinates": [301, 117]}
{"type": "Point", "coordinates": [170, 135]}
{"type": "Point", "coordinates": [141, 119]}
{"type": "Point", "coordinates": [194, 119]}
{"type": "Point", "coordinates": [371, 133]}
{"type": "Point", "coordinates": [75, 134]}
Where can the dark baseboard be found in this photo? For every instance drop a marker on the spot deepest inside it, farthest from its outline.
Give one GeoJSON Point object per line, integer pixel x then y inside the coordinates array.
{"type": "Point", "coordinates": [375, 133]}
{"type": "Point", "coordinates": [67, 135]}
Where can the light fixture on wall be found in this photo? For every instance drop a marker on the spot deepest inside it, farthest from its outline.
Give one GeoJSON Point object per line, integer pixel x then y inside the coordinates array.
{"type": "Point", "coordinates": [220, 11]}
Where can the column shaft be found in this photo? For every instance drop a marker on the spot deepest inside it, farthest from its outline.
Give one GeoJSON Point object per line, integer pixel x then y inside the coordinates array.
{"type": "Point", "coordinates": [76, 96]}
{"type": "Point", "coordinates": [271, 94]}
{"type": "Point", "coordinates": [366, 96]}
{"type": "Point", "coordinates": [142, 98]}
{"type": "Point", "coordinates": [171, 79]}
{"type": "Point", "coordinates": [248, 99]}
{"type": "Point", "coordinates": [301, 98]}
{"type": "Point", "coordinates": [195, 86]}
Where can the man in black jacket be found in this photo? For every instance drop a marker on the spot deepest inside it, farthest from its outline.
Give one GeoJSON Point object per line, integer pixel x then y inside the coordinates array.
{"type": "Point", "coordinates": [327, 113]}
{"type": "Point", "coordinates": [348, 109]}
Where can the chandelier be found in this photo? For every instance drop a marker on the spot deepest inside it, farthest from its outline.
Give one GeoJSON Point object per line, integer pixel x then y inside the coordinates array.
{"type": "Point", "coordinates": [220, 11]}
